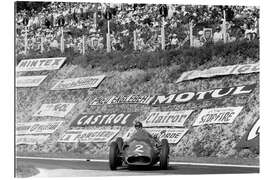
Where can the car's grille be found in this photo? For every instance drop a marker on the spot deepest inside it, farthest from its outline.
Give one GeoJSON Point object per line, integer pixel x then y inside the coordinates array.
{"type": "Point", "coordinates": [138, 160]}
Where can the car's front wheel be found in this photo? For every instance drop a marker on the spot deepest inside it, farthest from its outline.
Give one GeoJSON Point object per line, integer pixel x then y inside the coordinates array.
{"type": "Point", "coordinates": [113, 156]}
{"type": "Point", "coordinates": [164, 154]}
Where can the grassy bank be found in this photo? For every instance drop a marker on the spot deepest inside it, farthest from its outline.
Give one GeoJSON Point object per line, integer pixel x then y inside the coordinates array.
{"type": "Point", "coordinates": [157, 75]}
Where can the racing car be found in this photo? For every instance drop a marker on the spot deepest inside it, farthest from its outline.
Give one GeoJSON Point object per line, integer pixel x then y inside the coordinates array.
{"type": "Point", "coordinates": [139, 151]}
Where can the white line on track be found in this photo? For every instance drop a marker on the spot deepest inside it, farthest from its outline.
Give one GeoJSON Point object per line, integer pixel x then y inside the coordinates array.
{"type": "Point", "coordinates": [172, 163]}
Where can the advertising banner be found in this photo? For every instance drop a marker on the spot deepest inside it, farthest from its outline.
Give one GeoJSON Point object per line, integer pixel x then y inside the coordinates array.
{"type": "Point", "coordinates": [185, 97]}
{"type": "Point", "coordinates": [114, 119]}
{"type": "Point", "coordinates": [167, 118]}
{"type": "Point", "coordinates": [56, 110]}
{"type": "Point", "coordinates": [219, 71]}
{"type": "Point", "coordinates": [78, 83]}
{"type": "Point", "coordinates": [31, 139]}
{"type": "Point", "coordinates": [217, 115]}
{"type": "Point", "coordinates": [101, 135]}
{"type": "Point", "coordinates": [173, 135]}
{"type": "Point", "coordinates": [29, 81]}
{"type": "Point", "coordinates": [43, 127]}
{"type": "Point", "coordinates": [40, 64]}
{"type": "Point", "coordinates": [129, 99]}
{"type": "Point", "coordinates": [251, 138]}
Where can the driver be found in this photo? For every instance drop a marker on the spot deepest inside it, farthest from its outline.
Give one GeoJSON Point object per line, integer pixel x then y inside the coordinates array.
{"type": "Point", "coordinates": [139, 131]}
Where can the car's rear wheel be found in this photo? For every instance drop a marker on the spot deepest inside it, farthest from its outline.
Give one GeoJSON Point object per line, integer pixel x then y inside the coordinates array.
{"type": "Point", "coordinates": [164, 154]}
{"type": "Point", "coordinates": [120, 143]}
{"type": "Point", "coordinates": [114, 156]}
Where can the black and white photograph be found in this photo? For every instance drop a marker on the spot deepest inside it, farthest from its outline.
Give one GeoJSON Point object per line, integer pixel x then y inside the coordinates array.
{"type": "Point", "coordinates": [108, 89]}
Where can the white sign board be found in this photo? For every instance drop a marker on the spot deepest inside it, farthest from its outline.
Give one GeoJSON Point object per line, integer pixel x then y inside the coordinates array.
{"type": "Point", "coordinates": [29, 81]}
{"type": "Point", "coordinates": [219, 71]}
{"type": "Point", "coordinates": [78, 83]}
{"type": "Point", "coordinates": [43, 127]}
{"type": "Point", "coordinates": [40, 64]}
{"type": "Point", "coordinates": [167, 118]}
{"type": "Point", "coordinates": [125, 99]}
{"type": "Point", "coordinates": [173, 135]}
{"type": "Point", "coordinates": [96, 135]}
{"type": "Point", "coordinates": [56, 110]}
{"type": "Point", "coordinates": [31, 139]}
{"type": "Point", "coordinates": [217, 115]}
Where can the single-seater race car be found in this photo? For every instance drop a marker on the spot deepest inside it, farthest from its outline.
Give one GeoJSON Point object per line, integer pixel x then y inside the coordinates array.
{"type": "Point", "coordinates": [141, 150]}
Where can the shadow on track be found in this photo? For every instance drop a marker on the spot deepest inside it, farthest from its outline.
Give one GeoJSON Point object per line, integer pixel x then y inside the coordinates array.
{"type": "Point", "coordinates": [145, 168]}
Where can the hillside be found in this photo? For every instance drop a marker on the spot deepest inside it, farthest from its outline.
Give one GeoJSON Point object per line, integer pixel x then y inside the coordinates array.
{"type": "Point", "coordinates": [202, 141]}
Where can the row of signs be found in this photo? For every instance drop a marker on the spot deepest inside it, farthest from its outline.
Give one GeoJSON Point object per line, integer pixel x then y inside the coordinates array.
{"type": "Point", "coordinates": [105, 135]}
{"type": "Point", "coordinates": [219, 71]}
{"type": "Point", "coordinates": [159, 119]}
{"type": "Point", "coordinates": [207, 116]}
{"type": "Point", "coordinates": [65, 84]}
{"type": "Point", "coordinates": [153, 120]}
{"type": "Point", "coordinates": [177, 98]}
{"type": "Point", "coordinates": [62, 109]}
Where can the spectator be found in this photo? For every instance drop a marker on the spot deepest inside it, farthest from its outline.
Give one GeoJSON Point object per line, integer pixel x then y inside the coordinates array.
{"type": "Point", "coordinates": [78, 18]}
{"type": "Point", "coordinates": [174, 41]}
{"type": "Point", "coordinates": [218, 35]}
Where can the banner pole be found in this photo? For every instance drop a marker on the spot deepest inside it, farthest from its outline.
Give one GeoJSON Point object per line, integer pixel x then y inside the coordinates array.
{"type": "Point", "coordinates": [25, 41]}
{"type": "Point", "coordinates": [95, 20]}
{"type": "Point", "coordinates": [191, 33]}
{"type": "Point", "coordinates": [62, 40]}
{"type": "Point", "coordinates": [163, 34]}
{"type": "Point", "coordinates": [42, 44]}
{"type": "Point", "coordinates": [83, 44]}
{"type": "Point", "coordinates": [108, 38]}
{"type": "Point", "coordinates": [224, 27]}
{"type": "Point", "coordinates": [135, 40]}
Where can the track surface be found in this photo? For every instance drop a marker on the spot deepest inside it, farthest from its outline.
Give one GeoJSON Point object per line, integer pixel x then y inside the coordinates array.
{"type": "Point", "coordinates": [66, 168]}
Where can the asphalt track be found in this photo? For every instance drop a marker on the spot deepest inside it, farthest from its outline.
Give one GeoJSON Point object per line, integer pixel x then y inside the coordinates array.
{"type": "Point", "coordinates": [83, 168]}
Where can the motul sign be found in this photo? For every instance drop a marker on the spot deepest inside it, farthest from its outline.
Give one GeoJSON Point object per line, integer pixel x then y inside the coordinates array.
{"type": "Point", "coordinates": [202, 95]}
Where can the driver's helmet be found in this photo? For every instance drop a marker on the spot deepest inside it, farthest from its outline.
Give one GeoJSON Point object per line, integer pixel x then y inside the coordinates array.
{"type": "Point", "coordinates": [138, 125]}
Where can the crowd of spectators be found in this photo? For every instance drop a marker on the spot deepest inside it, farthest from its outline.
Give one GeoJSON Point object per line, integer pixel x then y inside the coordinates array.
{"type": "Point", "coordinates": [77, 19]}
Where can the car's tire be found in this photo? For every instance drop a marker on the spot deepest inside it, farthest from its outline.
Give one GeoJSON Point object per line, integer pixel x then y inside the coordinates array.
{"type": "Point", "coordinates": [164, 154]}
{"type": "Point", "coordinates": [120, 143]}
{"type": "Point", "coordinates": [113, 156]}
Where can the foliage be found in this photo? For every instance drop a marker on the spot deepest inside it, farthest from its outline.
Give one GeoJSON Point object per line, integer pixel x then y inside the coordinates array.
{"type": "Point", "coordinates": [185, 57]}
